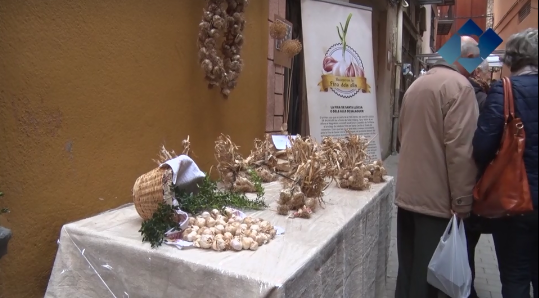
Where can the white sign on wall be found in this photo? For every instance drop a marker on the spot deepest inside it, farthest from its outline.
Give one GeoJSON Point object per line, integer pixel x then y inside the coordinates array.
{"type": "Point", "coordinates": [339, 71]}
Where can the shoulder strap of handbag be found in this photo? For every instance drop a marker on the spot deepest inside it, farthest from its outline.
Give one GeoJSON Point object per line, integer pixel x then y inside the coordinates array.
{"type": "Point", "coordinates": [508, 100]}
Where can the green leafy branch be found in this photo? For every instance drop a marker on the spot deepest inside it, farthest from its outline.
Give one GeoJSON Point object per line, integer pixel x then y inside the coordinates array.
{"type": "Point", "coordinates": [153, 230]}
{"type": "Point", "coordinates": [255, 178]}
{"type": "Point", "coordinates": [342, 33]}
{"type": "Point", "coordinates": [210, 197]}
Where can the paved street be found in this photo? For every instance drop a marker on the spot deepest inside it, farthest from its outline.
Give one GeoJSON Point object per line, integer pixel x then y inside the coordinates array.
{"type": "Point", "coordinates": [487, 281]}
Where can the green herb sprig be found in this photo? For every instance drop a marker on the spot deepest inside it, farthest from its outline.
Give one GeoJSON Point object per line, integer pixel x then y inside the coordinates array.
{"type": "Point", "coordinates": [210, 197]}
{"type": "Point", "coordinates": [342, 33]}
{"type": "Point", "coordinates": [255, 178]}
{"type": "Point", "coordinates": [153, 230]}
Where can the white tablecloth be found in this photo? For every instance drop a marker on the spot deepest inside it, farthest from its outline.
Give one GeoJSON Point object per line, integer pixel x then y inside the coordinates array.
{"type": "Point", "coordinates": [341, 251]}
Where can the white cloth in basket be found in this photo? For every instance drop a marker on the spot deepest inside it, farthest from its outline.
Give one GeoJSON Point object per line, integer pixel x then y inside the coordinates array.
{"type": "Point", "coordinates": [186, 174]}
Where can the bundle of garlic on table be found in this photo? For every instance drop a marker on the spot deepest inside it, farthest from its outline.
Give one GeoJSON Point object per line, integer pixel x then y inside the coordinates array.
{"type": "Point", "coordinates": [212, 230]}
{"type": "Point", "coordinates": [349, 159]}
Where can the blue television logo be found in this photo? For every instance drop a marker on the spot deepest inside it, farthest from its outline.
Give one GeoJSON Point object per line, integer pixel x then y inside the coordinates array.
{"type": "Point", "coordinates": [488, 42]}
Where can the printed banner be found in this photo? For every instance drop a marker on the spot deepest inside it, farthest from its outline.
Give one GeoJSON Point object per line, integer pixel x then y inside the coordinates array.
{"type": "Point", "coordinates": [339, 71]}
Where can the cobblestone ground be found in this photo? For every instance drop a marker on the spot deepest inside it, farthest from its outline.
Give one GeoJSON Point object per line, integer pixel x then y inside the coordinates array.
{"type": "Point", "coordinates": [487, 282]}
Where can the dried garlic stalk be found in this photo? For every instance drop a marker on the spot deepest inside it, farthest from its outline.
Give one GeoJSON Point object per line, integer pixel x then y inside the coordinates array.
{"type": "Point", "coordinates": [302, 194]}
{"type": "Point", "coordinates": [235, 171]}
{"type": "Point", "coordinates": [165, 155]}
{"type": "Point", "coordinates": [263, 159]}
{"type": "Point", "coordinates": [212, 230]}
{"type": "Point", "coordinates": [186, 147]}
{"type": "Point", "coordinates": [348, 158]}
{"type": "Point", "coordinates": [229, 161]}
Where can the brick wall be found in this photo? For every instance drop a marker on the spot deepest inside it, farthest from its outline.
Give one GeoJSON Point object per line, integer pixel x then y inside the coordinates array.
{"type": "Point", "coordinates": [275, 99]}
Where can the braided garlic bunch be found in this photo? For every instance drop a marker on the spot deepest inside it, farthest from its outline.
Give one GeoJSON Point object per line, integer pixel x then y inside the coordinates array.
{"type": "Point", "coordinates": [222, 17]}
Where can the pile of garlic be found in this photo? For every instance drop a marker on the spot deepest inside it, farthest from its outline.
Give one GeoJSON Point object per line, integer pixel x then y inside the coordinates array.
{"type": "Point", "coordinates": [219, 232]}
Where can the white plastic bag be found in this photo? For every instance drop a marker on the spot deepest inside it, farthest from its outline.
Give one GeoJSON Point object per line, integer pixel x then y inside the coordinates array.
{"type": "Point", "coordinates": [449, 270]}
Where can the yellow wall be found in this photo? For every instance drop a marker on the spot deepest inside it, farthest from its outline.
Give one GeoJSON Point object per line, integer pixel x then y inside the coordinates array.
{"type": "Point", "coordinates": [89, 90]}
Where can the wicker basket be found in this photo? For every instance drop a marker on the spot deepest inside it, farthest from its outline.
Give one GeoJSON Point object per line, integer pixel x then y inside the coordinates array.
{"type": "Point", "coordinates": [151, 189]}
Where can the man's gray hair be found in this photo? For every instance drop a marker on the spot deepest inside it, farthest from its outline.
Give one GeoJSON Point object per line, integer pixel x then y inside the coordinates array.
{"type": "Point", "coordinates": [521, 50]}
{"type": "Point", "coordinates": [469, 47]}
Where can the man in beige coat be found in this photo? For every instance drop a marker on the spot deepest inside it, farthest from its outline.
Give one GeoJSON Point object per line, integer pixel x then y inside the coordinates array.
{"type": "Point", "coordinates": [436, 173]}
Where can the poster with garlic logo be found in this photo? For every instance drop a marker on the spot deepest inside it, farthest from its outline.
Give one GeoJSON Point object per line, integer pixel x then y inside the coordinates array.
{"type": "Point", "coordinates": [339, 71]}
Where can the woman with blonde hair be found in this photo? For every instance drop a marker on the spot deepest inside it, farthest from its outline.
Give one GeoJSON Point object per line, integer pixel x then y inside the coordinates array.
{"type": "Point", "coordinates": [515, 237]}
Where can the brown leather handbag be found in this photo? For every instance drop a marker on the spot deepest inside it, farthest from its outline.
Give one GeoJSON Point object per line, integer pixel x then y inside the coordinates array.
{"type": "Point", "coordinates": [503, 190]}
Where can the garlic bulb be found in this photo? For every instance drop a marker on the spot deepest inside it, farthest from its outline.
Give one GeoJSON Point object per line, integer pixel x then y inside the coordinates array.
{"type": "Point", "coordinates": [205, 215]}
{"type": "Point", "coordinates": [261, 239]}
{"type": "Point", "coordinates": [192, 221]}
{"type": "Point", "coordinates": [220, 229]}
{"type": "Point", "coordinates": [191, 236]}
{"type": "Point", "coordinates": [253, 246]}
{"type": "Point", "coordinates": [235, 244]}
{"type": "Point", "coordinates": [265, 226]}
{"type": "Point", "coordinates": [200, 222]}
{"type": "Point", "coordinates": [206, 241]}
{"type": "Point", "coordinates": [188, 231]}
{"type": "Point", "coordinates": [215, 213]}
{"type": "Point", "coordinates": [240, 232]}
{"type": "Point", "coordinates": [210, 222]}
{"type": "Point", "coordinates": [247, 220]}
{"type": "Point", "coordinates": [228, 236]}
{"type": "Point", "coordinates": [244, 226]}
{"type": "Point", "coordinates": [219, 245]}
{"type": "Point", "coordinates": [230, 229]}
{"type": "Point", "coordinates": [246, 242]}
{"type": "Point", "coordinates": [255, 227]}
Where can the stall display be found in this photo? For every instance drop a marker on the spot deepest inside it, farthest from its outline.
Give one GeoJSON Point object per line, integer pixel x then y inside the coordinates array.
{"type": "Point", "coordinates": [342, 251]}
{"type": "Point", "coordinates": [167, 195]}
